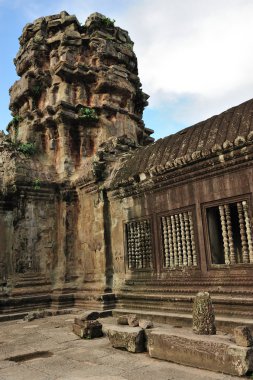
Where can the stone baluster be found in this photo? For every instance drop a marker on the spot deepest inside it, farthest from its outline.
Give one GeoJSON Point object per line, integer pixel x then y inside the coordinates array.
{"type": "Point", "coordinates": [138, 248]}
{"type": "Point", "coordinates": [245, 252]}
{"type": "Point", "coordinates": [134, 245]}
{"type": "Point", "coordinates": [230, 234]}
{"type": "Point", "coordinates": [179, 245]}
{"type": "Point", "coordinates": [131, 246]}
{"type": "Point", "coordinates": [168, 244]}
{"type": "Point", "coordinates": [248, 230]}
{"type": "Point", "coordinates": [165, 242]}
{"type": "Point", "coordinates": [174, 239]}
{"type": "Point", "coordinates": [142, 262]}
{"type": "Point", "coordinates": [183, 239]}
{"type": "Point", "coordinates": [192, 235]}
{"type": "Point", "coordinates": [224, 234]}
{"type": "Point", "coordinates": [171, 250]}
{"type": "Point", "coordinates": [147, 231]}
{"type": "Point", "coordinates": [188, 239]}
{"type": "Point", "coordinates": [146, 244]}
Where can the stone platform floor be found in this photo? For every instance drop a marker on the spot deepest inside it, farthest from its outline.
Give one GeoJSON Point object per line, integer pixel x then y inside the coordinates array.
{"type": "Point", "coordinates": [47, 349]}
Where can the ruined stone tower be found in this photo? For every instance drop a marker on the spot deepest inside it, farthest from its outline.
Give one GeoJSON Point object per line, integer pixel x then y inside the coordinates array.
{"type": "Point", "coordinates": [76, 108]}
{"type": "Point", "coordinates": [79, 87]}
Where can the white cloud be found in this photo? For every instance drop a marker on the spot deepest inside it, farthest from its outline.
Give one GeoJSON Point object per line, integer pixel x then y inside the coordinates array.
{"type": "Point", "coordinates": [196, 48]}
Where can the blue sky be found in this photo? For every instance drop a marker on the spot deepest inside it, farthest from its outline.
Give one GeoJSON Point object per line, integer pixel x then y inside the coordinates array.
{"type": "Point", "coordinates": [195, 56]}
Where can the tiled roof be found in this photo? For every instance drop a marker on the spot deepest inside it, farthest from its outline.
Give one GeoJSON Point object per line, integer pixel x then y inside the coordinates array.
{"type": "Point", "coordinates": [218, 132]}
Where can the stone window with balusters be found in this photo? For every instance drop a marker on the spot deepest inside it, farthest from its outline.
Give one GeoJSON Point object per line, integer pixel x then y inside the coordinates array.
{"type": "Point", "coordinates": [230, 233]}
{"type": "Point", "coordinates": [139, 244]}
{"type": "Point", "coordinates": [178, 240]}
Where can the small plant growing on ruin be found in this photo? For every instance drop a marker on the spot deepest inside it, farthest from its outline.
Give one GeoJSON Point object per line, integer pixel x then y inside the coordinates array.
{"type": "Point", "coordinates": [88, 113]}
{"type": "Point", "coordinates": [109, 38]}
{"type": "Point", "coordinates": [15, 121]}
{"type": "Point", "coordinates": [38, 39]}
{"type": "Point", "coordinates": [15, 124]}
{"type": "Point", "coordinates": [36, 184]}
{"type": "Point", "coordinates": [27, 148]}
{"type": "Point", "coordinates": [108, 22]}
{"type": "Point", "coordinates": [130, 46]}
{"type": "Point", "coordinates": [36, 90]}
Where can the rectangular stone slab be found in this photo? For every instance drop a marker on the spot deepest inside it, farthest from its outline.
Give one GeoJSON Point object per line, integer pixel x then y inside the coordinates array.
{"type": "Point", "coordinates": [214, 353]}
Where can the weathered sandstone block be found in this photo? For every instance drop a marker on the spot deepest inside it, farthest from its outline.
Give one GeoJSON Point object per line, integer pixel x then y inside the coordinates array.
{"type": "Point", "coordinates": [90, 316]}
{"type": "Point", "coordinates": [203, 318]}
{"type": "Point", "coordinates": [243, 336]}
{"type": "Point", "coordinates": [122, 320]}
{"type": "Point", "coordinates": [89, 329]}
{"type": "Point", "coordinates": [133, 320]}
{"type": "Point", "coordinates": [145, 324]}
{"type": "Point", "coordinates": [213, 353]}
{"type": "Point", "coordinates": [130, 338]}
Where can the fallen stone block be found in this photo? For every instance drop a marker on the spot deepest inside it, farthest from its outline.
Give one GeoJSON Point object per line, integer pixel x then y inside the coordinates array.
{"type": "Point", "coordinates": [105, 313]}
{"type": "Point", "coordinates": [213, 353]}
{"type": "Point", "coordinates": [122, 320]}
{"type": "Point", "coordinates": [79, 322]}
{"type": "Point", "coordinates": [90, 316]}
{"type": "Point", "coordinates": [130, 338]}
{"type": "Point", "coordinates": [89, 329]}
{"type": "Point", "coordinates": [133, 320]}
{"type": "Point", "coordinates": [243, 336]}
{"type": "Point", "coordinates": [145, 324]}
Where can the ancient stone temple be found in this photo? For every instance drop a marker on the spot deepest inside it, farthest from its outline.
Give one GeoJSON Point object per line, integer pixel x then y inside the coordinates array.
{"type": "Point", "coordinates": [94, 213]}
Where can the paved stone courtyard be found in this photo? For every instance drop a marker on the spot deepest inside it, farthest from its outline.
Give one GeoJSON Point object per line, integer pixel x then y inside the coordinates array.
{"type": "Point", "coordinates": [47, 349]}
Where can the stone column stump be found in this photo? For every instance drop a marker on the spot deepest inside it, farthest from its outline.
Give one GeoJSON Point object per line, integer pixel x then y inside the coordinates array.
{"type": "Point", "coordinates": [203, 317]}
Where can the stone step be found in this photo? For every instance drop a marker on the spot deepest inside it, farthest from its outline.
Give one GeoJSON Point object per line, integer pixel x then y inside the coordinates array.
{"type": "Point", "coordinates": [230, 306]}
{"type": "Point", "coordinates": [12, 316]}
{"type": "Point", "coordinates": [220, 310]}
{"type": "Point", "coordinates": [21, 315]}
{"type": "Point", "coordinates": [179, 320]}
{"type": "Point", "coordinates": [177, 297]}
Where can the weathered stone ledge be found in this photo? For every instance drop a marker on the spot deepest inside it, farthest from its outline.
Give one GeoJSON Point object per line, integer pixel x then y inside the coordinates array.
{"type": "Point", "coordinates": [214, 353]}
